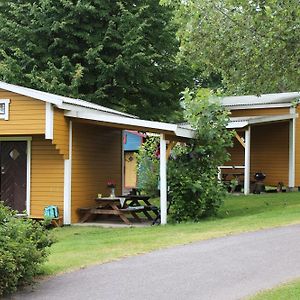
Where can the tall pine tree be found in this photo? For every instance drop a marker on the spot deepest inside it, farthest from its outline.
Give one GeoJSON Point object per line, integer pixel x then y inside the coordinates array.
{"type": "Point", "coordinates": [118, 54]}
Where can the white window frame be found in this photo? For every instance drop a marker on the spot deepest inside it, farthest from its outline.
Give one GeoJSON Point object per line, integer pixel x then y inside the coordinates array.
{"type": "Point", "coordinates": [5, 116]}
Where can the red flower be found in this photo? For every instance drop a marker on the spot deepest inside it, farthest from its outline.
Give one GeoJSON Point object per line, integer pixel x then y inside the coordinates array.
{"type": "Point", "coordinates": [111, 184]}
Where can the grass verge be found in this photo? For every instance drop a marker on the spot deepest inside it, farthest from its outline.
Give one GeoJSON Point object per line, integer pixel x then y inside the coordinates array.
{"type": "Point", "coordinates": [77, 247]}
{"type": "Point", "coordinates": [289, 291]}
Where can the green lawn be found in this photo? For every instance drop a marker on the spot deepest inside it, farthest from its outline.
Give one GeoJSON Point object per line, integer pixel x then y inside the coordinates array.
{"type": "Point", "coordinates": [289, 291]}
{"type": "Point", "coordinates": [78, 247]}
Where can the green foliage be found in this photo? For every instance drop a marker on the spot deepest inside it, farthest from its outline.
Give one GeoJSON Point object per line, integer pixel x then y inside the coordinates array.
{"type": "Point", "coordinates": [121, 54]}
{"type": "Point", "coordinates": [148, 167]}
{"type": "Point", "coordinates": [193, 166]}
{"type": "Point", "coordinates": [193, 173]}
{"type": "Point", "coordinates": [253, 45]}
{"type": "Point", "coordinates": [23, 247]}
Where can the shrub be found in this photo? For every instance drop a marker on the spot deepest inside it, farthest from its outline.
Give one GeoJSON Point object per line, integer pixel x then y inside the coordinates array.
{"type": "Point", "coordinates": [193, 167]}
{"type": "Point", "coordinates": [23, 247]}
{"type": "Point", "coordinates": [148, 167]}
{"type": "Point", "coordinates": [193, 173]}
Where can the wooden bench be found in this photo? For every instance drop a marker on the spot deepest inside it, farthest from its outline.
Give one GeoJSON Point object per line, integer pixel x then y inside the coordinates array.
{"type": "Point", "coordinates": [56, 222]}
{"type": "Point", "coordinates": [133, 209]}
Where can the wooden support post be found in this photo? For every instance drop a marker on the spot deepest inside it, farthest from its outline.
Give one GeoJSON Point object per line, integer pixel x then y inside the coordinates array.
{"type": "Point", "coordinates": [247, 161]}
{"type": "Point", "coordinates": [170, 147]}
{"type": "Point", "coordinates": [163, 180]}
{"type": "Point", "coordinates": [239, 139]}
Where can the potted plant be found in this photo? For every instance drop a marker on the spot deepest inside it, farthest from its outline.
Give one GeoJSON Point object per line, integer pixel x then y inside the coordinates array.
{"type": "Point", "coordinates": [112, 185]}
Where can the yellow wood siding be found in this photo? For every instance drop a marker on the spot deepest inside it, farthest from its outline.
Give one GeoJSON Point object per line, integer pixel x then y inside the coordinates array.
{"type": "Point", "coordinates": [26, 115]}
{"type": "Point", "coordinates": [47, 176]}
{"type": "Point", "coordinates": [269, 152]}
{"type": "Point", "coordinates": [130, 169]}
{"type": "Point", "coordinates": [96, 158]}
{"type": "Point", "coordinates": [61, 132]}
{"type": "Point", "coordinates": [260, 112]}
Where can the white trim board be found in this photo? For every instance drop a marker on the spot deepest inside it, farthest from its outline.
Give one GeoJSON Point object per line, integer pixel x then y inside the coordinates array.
{"type": "Point", "coordinates": [257, 106]}
{"type": "Point", "coordinates": [57, 100]}
{"type": "Point", "coordinates": [138, 123]}
{"type": "Point", "coordinates": [123, 164]}
{"type": "Point", "coordinates": [240, 122]}
{"type": "Point", "coordinates": [292, 149]}
{"type": "Point", "coordinates": [49, 120]}
{"type": "Point", "coordinates": [68, 180]}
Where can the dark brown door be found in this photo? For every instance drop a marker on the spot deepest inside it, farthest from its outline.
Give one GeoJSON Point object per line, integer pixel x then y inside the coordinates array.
{"type": "Point", "coordinates": [13, 174]}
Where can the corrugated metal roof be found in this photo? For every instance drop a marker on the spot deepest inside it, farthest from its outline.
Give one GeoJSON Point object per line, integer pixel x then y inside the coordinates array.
{"type": "Point", "coordinates": [260, 100]}
{"type": "Point", "coordinates": [241, 122]}
{"type": "Point", "coordinates": [57, 99]}
{"type": "Point", "coordinates": [81, 109]}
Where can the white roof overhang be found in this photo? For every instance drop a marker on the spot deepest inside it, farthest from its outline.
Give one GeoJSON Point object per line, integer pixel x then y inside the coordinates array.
{"type": "Point", "coordinates": [136, 124]}
{"type": "Point", "coordinates": [81, 109]}
{"type": "Point", "coordinates": [262, 101]}
{"type": "Point", "coordinates": [59, 101]}
{"type": "Point", "coordinates": [241, 122]}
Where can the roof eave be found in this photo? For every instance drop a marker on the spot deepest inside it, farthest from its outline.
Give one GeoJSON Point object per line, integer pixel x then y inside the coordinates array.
{"type": "Point", "coordinates": [132, 123]}
{"type": "Point", "coordinates": [257, 106]}
{"type": "Point", "coordinates": [236, 124]}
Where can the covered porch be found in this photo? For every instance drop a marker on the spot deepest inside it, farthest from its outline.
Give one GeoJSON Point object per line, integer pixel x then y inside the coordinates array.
{"type": "Point", "coordinates": [169, 134]}
{"type": "Point", "coordinates": [264, 144]}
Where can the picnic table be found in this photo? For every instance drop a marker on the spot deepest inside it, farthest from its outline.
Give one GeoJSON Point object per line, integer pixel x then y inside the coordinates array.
{"type": "Point", "coordinates": [121, 206]}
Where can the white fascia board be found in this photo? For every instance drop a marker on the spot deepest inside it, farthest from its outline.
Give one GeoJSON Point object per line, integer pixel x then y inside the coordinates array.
{"type": "Point", "coordinates": [72, 107]}
{"type": "Point", "coordinates": [274, 118]}
{"type": "Point", "coordinates": [76, 104]}
{"type": "Point", "coordinates": [160, 126]}
{"type": "Point", "coordinates": [237, 124]}
{"type": "Point", "coordinates": [185, 132]}
{"type": "Point", "coordinates": [57, 100]}
{"type": "Point", "coordinates": [257, 106]}
{"type": "Point", "coordinates": [259, 120]}
{"type": "Point", "coordinates": [30, 93]}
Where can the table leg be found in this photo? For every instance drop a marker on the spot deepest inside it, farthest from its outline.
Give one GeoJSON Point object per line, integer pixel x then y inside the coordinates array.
{"type": "Point", "coordinates": [149, 204]}
{"type": "Point", "coordinates": [85, 217]}
{"type": "Point", "coordinates": [147, 215]}
{"type": "Point", "coordinates": [136, 217]}
{"type": "Point", "coordinates": [124, 219]}
{"type": "Point", "coordinates": [120, 214]}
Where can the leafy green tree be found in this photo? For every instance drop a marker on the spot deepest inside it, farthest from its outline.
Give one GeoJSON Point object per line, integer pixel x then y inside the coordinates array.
{"type": "Point", "coordinates": [121, 54]}
{"type": "Point", "coordinates": [193, 171]}
{"type": "Point", "coordinates": [193, 166]}
{"type": "Point", "coordinates": [253, 45]}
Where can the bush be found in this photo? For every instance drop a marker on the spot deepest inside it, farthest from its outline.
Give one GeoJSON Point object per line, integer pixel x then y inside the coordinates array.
{"type": "Point", "coordinates": [148, 167]}
{"type": "Point", "coordinates": [23, 247]}
{"type": "Point", "coordinates": [193, 167]}
{"type": "Point", "coordinates": [193, 173]}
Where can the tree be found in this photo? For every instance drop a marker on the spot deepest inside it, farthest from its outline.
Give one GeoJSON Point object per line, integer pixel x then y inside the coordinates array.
{"type": "Point", "coordinates": [193, 171]}
{"type": "Point", "coordinates": [121, 54]}
{"type": "Point", "coordinates": [193, 181]}
{"type": "Point", "coordinates": [254, 45]}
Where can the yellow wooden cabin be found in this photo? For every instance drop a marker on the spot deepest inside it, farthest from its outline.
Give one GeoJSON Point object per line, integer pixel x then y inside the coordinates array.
{"type": "Point", "coordinates": [267, 138]}
{"type": "Point", "coordinates": [56, 150]}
